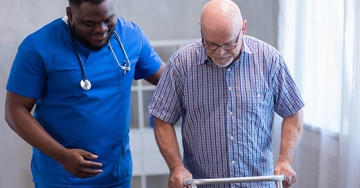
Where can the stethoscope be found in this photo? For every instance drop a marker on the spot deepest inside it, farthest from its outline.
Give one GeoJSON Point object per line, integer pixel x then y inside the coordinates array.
{"type": "Point", "coordinates": [84, 82]}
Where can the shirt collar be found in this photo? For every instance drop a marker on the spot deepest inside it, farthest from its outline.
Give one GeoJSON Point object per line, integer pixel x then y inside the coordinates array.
{"type": "Point", "coordinates": [246, 48]}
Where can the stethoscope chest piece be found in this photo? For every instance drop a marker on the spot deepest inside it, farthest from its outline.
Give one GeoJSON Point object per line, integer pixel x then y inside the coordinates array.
{"type": "Point", "coordinates": [85, 84]}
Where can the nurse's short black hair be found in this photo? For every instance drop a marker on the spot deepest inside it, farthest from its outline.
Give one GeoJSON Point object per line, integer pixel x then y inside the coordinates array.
{"type": "Point", "coordinates": [77, 3]}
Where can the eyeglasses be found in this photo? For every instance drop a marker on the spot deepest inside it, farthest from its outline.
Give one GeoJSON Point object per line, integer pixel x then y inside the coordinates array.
{"type": "Point", "coordinates": [214, 46]}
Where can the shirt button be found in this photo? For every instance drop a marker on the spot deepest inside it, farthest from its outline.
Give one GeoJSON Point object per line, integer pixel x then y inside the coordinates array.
{"type": "Point", "coordinates": [230, 88]}
{"type": "Point", "coordinates": [258, 95]}
{"type": "Point", "coordinates": [230, 113]}
{"type": "Point", "coordinates": [232, 162]}
{"type": "Point", "coordinates": [231, 138]}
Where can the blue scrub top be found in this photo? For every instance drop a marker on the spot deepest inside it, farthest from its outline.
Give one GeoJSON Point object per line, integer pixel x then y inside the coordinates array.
{"type": "Point", "coordinates": [46, 67]}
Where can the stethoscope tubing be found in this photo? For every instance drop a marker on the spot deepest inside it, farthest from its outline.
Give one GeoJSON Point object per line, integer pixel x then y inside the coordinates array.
{"type": "Point", "coordinates": [85, 83]}
{"type": "Point", "coordinates": [123, 49]}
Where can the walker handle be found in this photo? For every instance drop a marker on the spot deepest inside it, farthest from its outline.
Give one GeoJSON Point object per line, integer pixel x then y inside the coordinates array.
{"type": "Point", "coordinates": [194, 182]}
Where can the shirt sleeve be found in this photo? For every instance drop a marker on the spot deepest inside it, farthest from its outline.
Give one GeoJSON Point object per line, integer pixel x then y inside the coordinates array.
{"type": "Point", "coordinates": [287, 96]}
{"type": "Point", "coordinates": [149, 61]}
{"type": "Point", "coordinates": [166, 101]}
{"type": "Point", "coordinates": [27, 75]}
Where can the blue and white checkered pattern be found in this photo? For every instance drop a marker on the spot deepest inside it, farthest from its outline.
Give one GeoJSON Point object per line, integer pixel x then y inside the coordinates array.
{"type": "Point", "coordinates": [227, 112]}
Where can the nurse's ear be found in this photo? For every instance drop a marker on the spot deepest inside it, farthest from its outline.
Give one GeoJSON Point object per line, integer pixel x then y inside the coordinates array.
{"type": "Point", "coordinates": [69, 13]}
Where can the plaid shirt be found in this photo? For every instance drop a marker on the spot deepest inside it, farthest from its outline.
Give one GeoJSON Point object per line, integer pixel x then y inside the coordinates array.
{"type": "Point", "coordinates": [227, 113]}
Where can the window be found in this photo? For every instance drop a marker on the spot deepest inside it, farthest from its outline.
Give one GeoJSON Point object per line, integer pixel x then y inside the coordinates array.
{"type": "Point", "coordinates": [319, 53]}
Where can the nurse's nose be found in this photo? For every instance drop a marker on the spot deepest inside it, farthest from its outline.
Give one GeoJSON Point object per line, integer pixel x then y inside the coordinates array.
{"type": "Point", "coordinates": [101, 28]}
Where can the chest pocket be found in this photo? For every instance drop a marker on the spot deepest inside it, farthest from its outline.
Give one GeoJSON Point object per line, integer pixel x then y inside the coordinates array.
{"type": "Point", "coordinates": [257, 108]}
{"type": "Point", "coordinates": [256, 102]}
{"type": "Point", "coordinates": [125, 81]}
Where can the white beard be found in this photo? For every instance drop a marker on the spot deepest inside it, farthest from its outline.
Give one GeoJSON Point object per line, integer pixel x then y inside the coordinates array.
{"type": "Point", "coordinates": [223, 63]}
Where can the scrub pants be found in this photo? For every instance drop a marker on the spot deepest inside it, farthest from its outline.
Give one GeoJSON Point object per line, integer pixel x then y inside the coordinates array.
{"type": "Point", "coordinates": [126, 184]}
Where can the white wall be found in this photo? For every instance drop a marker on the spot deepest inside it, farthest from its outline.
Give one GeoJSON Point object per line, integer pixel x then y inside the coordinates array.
{"type": "Point", "coordinates": [160, 19]}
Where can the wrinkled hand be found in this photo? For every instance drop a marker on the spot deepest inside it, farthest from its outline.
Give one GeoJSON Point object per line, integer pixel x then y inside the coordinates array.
{"type": "Point", "coordinates": [284, 168]}
{"type": "Point", "coordinates": [177, 176]}
{"type": "Point", "coordinates": [78, 163]}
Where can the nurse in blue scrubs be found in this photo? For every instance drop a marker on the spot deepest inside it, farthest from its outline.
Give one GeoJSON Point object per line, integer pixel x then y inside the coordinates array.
{"type": "Point", "coordinates": [77, 72]}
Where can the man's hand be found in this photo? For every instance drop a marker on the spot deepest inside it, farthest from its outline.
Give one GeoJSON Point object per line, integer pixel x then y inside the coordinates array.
{"type": "Point", "coordinates": [177, 176]}
{"type": "Point", "coordinates": [78, 163]}
{"type": "Point", "coordinates": [284, 168]}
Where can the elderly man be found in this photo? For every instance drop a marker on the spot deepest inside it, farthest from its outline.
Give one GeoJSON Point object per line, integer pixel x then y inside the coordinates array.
{"type": "Point", "coordinates": [226, 88]}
